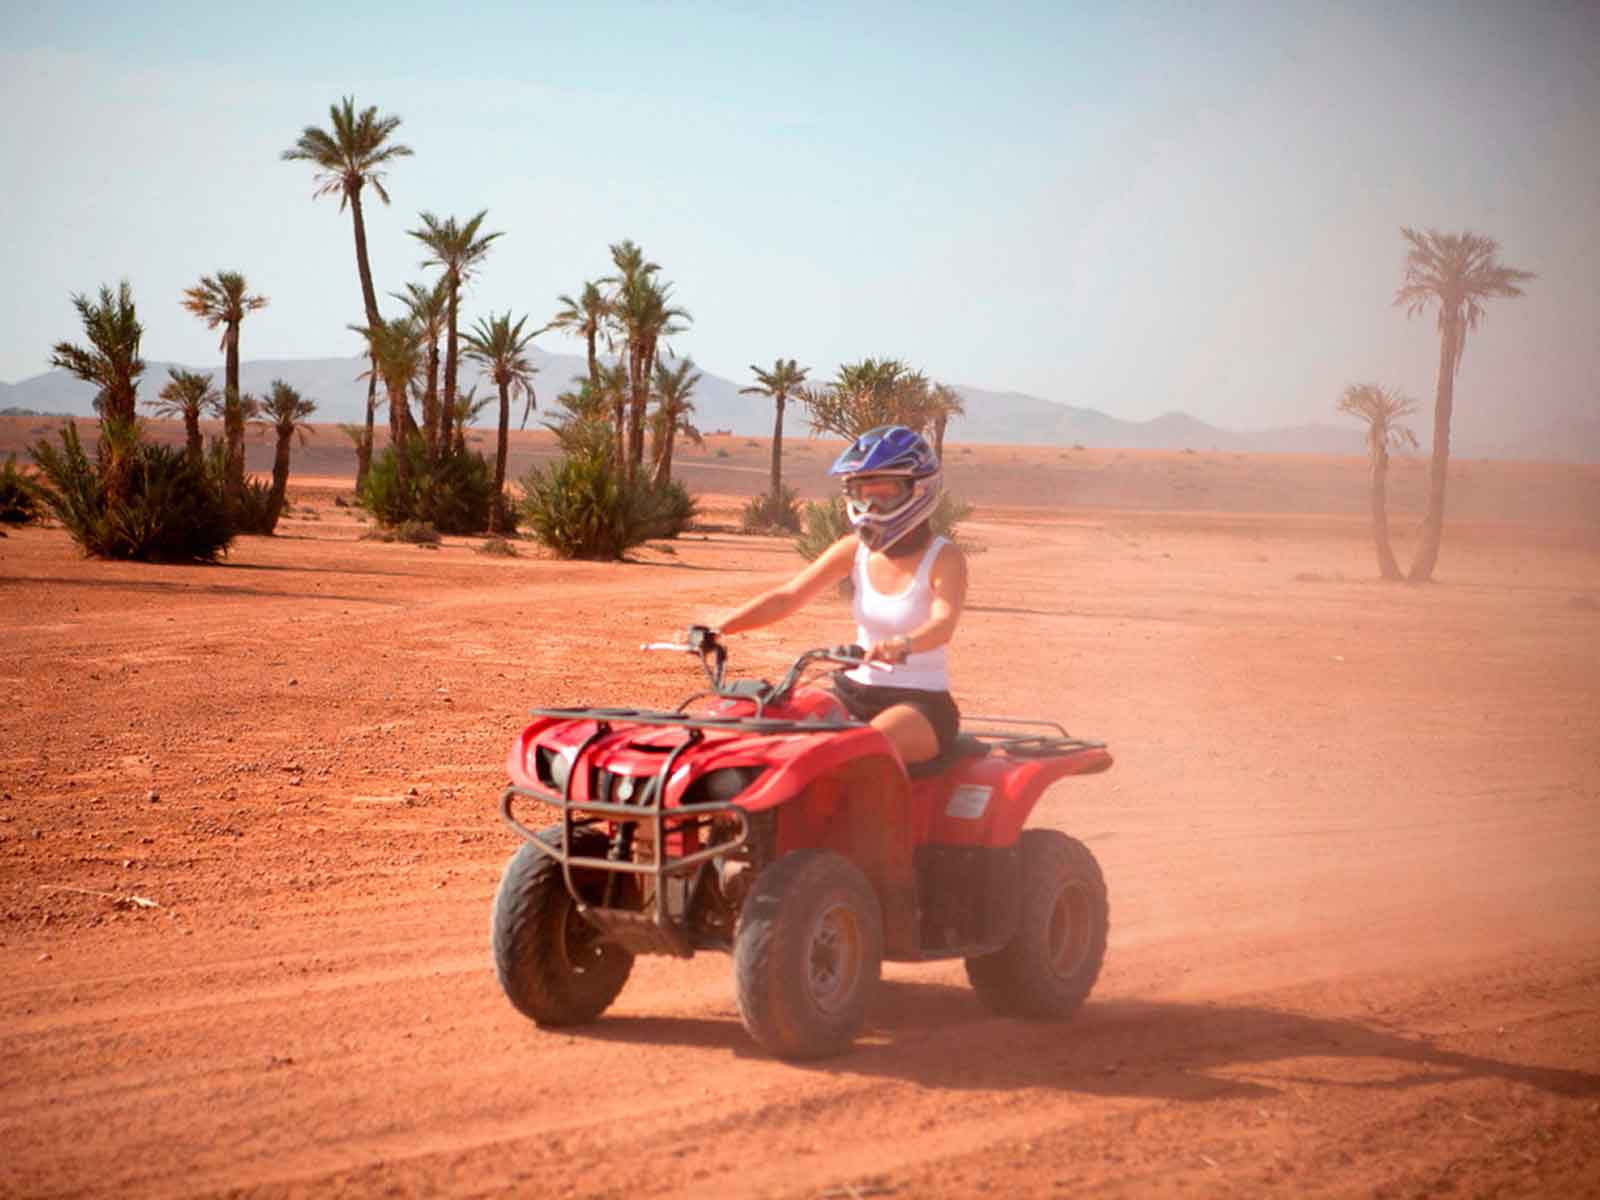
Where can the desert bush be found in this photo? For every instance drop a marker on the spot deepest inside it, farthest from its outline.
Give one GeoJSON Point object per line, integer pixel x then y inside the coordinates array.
{"type": "Point", "coordinates": [581, 508]}
{"type": "Point", "coordinates": [673, 508]}
{"type": "Point", "coordinates": [20, 501]}
{"type": "Point", "coordinates": [453, 495]}
{"type": "Point", "coordinates": [254, 512]}
{"type": "Point", "coordinates": [170, 509]}
{"type": "Point", "coordinates": [498, 546]}
{"type": "Point", "coordinates": [767, 512]}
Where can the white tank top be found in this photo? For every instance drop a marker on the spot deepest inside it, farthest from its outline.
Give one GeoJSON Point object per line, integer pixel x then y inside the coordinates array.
{"type": "Point", "coordinates": [879, 617]}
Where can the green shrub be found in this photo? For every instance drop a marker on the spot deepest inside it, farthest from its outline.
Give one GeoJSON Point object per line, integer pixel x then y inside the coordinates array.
{"type": "Point", "coordinates": [171, 510]}
{"type": "Point", "coordinates": [581, 508]}
{"type": "Point", "coordinates": [673, 508]}
{"type": "Point", "coordinates": [254, 514]}
{"type": "Point", "coordinates": [765, 513]}
{"type": "Point", "coordinates": [499, 546]}
{"type": "Point", "coordinates": [20, 501]}
{"type": "Point", "coordinates": [825, 523]}
{"type": "Point", "coordinates": [453, 496]}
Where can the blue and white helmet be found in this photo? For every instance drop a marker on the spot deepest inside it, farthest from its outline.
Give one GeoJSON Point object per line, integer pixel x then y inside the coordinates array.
{"type": "Point", "coordinates": [892, 452]}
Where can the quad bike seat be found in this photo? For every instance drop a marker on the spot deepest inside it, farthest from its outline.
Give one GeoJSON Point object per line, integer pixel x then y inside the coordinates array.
{"type": "Point", "coordinates": [965, 746]}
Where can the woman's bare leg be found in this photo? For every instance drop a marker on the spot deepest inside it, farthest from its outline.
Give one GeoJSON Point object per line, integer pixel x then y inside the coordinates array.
{"type": "Point", "coordinates": [913, 737]}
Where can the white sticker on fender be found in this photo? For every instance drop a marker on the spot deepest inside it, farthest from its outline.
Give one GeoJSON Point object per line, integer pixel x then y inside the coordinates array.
{"type": "Point", "coordinates": [968, 802]}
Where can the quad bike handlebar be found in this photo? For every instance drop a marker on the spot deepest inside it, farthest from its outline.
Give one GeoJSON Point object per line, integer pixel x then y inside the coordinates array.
{"type": "Point", "coordinates": [706, 643]}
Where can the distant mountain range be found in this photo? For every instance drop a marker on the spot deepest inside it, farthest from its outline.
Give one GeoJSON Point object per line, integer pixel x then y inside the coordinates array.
{"type": "Point", "coordinates": [991, 417]}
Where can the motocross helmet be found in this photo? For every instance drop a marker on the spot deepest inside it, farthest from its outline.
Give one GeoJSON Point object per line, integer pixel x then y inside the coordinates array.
{"type": "Point", "coordinates": [889, 452]}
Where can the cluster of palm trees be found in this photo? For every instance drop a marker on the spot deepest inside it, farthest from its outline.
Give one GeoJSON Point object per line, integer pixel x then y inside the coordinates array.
{"type": "Point", "coordinates": [632, 311]}
{"type": "Point", "coordinates": [1456, 273]}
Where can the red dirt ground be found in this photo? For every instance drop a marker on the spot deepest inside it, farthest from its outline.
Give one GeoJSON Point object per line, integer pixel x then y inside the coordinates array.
{"type": "Point", "coordinates": [1352, 840]}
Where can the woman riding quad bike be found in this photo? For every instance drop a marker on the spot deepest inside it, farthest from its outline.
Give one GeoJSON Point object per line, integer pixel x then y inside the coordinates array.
{"type": "Point", "coordinates": [811, 833]}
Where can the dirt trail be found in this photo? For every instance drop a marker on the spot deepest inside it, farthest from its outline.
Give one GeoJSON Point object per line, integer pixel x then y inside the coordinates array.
{"type": "Point", "coordinates": [1352, 840]}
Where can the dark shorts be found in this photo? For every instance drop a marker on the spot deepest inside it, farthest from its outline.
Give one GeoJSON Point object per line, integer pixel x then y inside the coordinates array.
{"type": "Point", "coordinates": [863, 702]}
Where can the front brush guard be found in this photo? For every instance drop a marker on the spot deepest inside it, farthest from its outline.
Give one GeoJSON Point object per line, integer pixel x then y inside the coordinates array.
{"type": "Point", "coordinates": [642, 932]}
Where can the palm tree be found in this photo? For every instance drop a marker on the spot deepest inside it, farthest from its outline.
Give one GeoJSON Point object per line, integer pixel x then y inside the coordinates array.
{"type": "Point", "coordinates": [673, 387]}
{"type": "Point", "coordinates": [221, 300]}
{"type": "Point", "coordinates": [1457, 272]}
{"type": "Point", "coordinates": [112, 364]}
{"type": "Point", "coordinates": [645, 315]}
{"type": "Point", "coordinates": [395, 348]}
{"type": "Point", "coordinates": [866, 394]}
{"type": "Point", "coordinates": [1382, 410]}
{"type": "Point", "coordinates": [781, 383]}
{"type": "Point", "coordinates": [286, 412]}
{"type": "Point", "coordinates": [944, 402]}
{"type": "Point", "coordinates": [188, 395]}
{"type": "Point", "coordinates": [502, 349]}
{"type": "Point", "coordinates": [468, 406]}
{"type": "Point", "coordinates": [112, 361]}
{"type": "Point", "coordinates": [585, 317]}
{"type": "Point", "coordinates": [347, 159]}
{"type": "Point", "coordinates": [457, 250]}
{"type": "Point", "coordinates": [430, 309]}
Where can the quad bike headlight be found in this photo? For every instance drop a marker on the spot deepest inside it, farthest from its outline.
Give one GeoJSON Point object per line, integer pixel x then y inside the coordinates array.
{"type": "Point", "coordinates": [551, 768]}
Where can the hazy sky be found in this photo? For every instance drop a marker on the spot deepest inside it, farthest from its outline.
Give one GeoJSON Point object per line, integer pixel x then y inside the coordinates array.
{"type": "Point", "coordinates": [1136, 208]}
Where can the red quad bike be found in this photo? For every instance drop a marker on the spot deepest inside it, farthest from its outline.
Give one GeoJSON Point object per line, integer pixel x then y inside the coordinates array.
{"type": "Point", "coordinates": [761, 820]}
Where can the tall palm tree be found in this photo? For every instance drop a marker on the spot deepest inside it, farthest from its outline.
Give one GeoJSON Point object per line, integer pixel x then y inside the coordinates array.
{"type": "Point", "coordinates": [286, 411]}
{"type": "Point", "coordinates": [222, 300]}
{"type": "Point", "coordinates": [457, 250]}
{"type": "Point", "coordinates": [395, 348]}
{"type": "Point", "coordinates": [502, 348]}
{"type": "Point", "coordinates": [188, 396]}
{"type": "Point", "coordinates": [646, 315]}
{"type": "Point", "coordinates": [349, 155]}
{"type": "Point", "coordinates": [1457, 272]}
{"type": "Point", "coordinates": [781, 383]}
{"type": "Point", "coordinates": [1382, 410]}
{"type": "Point", "coordinates": [585, 317]}
{"type": "Point", "coordinates": [429, 308]}
{"type": "Point", "coordinates": [111, 362]}
{"type": "Point", "coordinates": [673, 387]}
{"type": "Point", "coordinates": [944, 402]}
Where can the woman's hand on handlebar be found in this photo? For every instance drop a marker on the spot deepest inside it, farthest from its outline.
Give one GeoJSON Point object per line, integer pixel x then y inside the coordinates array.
{"type": "Point", "coordinates": [890, 650]}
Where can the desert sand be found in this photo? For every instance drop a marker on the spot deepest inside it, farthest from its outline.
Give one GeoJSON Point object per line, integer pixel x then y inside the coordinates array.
{"type": "Point", "coordinates": [248, 843]}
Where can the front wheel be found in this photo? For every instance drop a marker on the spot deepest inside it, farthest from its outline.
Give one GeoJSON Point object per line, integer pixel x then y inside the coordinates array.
{"type": "Point", "coordinates": [1050, 965]}
{"type": "Point", "coordinates": [807, 954]}
{"type": "Point", "coordinates": [550, 961]}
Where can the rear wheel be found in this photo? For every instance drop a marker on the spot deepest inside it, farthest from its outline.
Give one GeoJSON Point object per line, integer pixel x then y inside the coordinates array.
{"type": "Point", "coordinates": [551, 962]}
{"type": "Point", "coordinates": [1051, 964]}
{"type": "Point", "coordinates": [807, 954]}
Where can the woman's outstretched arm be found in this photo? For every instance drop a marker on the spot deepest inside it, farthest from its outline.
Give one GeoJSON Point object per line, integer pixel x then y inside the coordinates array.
{"type": "Point", "coordinates": [829, 567]}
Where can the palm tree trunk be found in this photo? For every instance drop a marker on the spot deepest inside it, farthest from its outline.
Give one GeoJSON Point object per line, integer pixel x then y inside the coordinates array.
{"type": "Point", "coordinates": [448, 414]}
{"type": "Point", "coordinates": [232, 425]}
{"type": "Point", "coordinates": [1380, 515]}
{"type": "Point", "coordinates": [369, 296]}
{"type": "Point", "coordinates": [194, 446]}
{"type": "Point", "coordinates": [594, 363]}
{"type": "Point", "coordinates": [938, 438]}
{"type": "Point", "coordinates": [638, 381]}
{"type": "Point", "coordinates": [777, 449]}
{"type": "Point", "coordinates": [430, 403]}
{"type": "Point", "coordinates": [1438, 469]}
{"type": "Point", "coordinates": [399, 416]}
{"type": "Point", "coordinates": [280, 477]}
{"type": "Point", "coordinates": [364, 447]}
{"type": "Point", "coordinates": [664, 453]}
{"type": "Point", "coordinates": [498, 508]}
